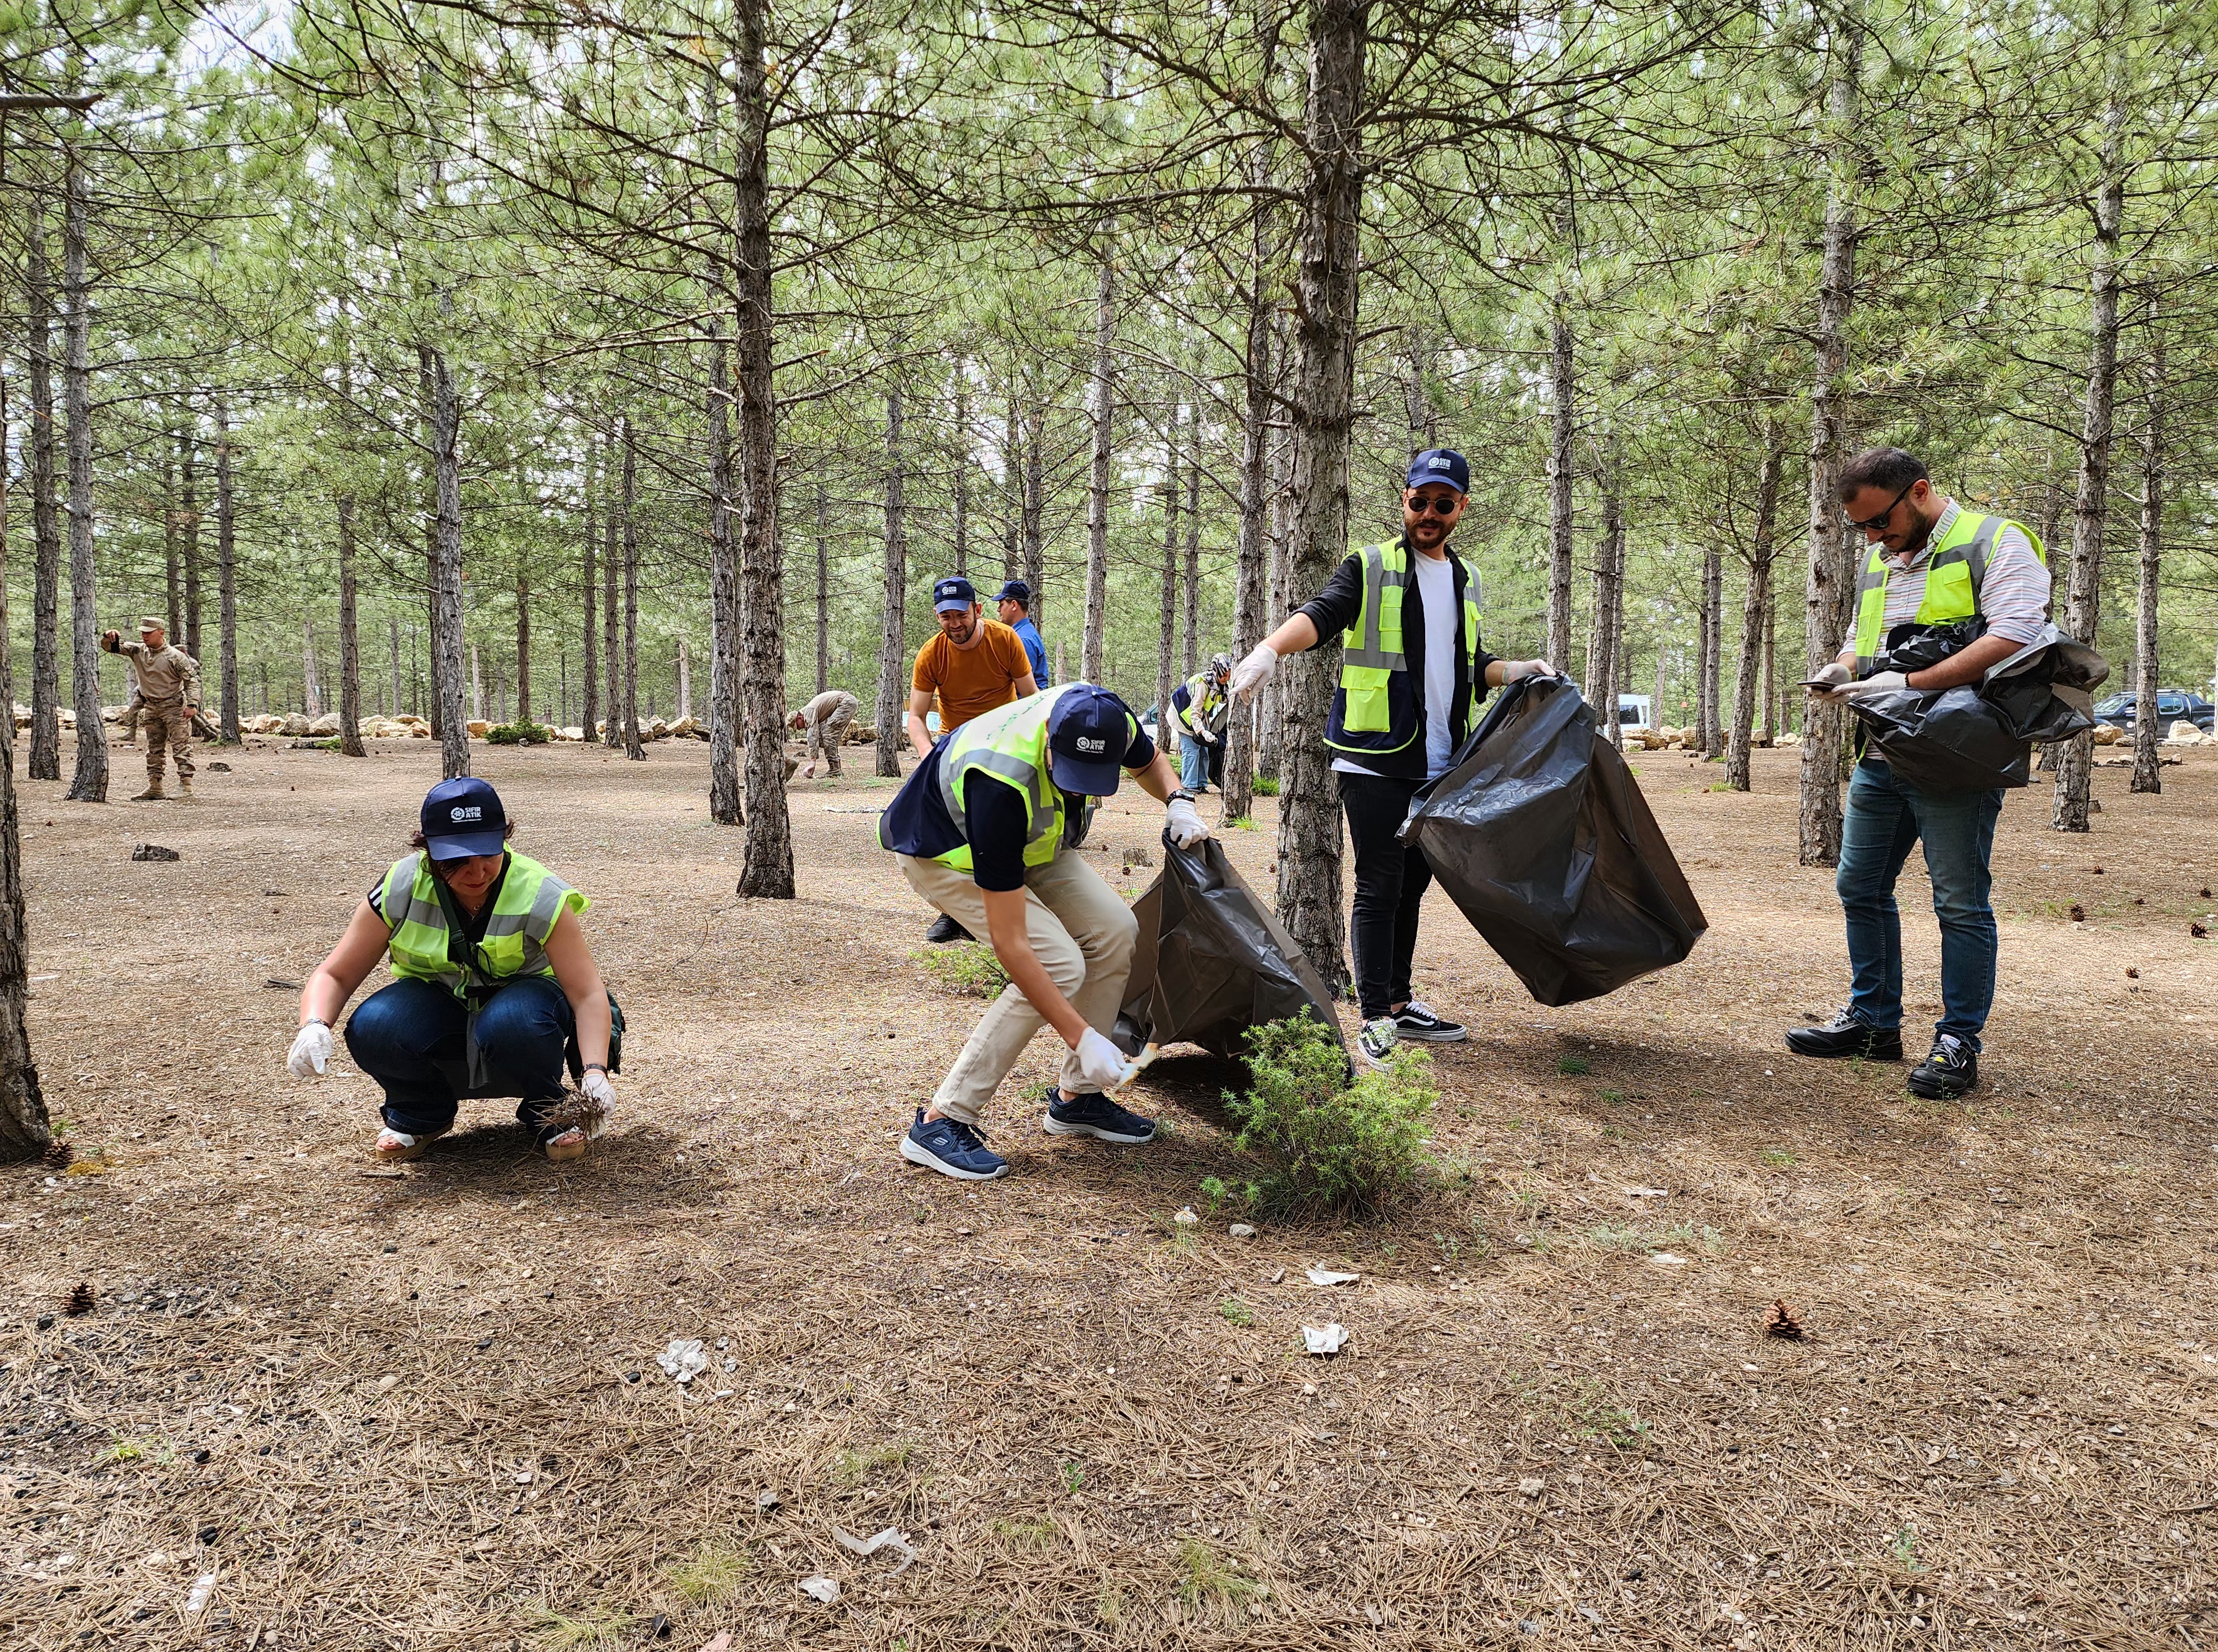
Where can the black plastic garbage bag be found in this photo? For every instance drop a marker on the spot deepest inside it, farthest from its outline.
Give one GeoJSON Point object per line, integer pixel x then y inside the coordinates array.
{"type": "Point", "coordinates": [1980, 736]}
{"type": "Point", "coordinates": [1541, 836]}
{"type": "Point", "coordinates": [1212, 960]}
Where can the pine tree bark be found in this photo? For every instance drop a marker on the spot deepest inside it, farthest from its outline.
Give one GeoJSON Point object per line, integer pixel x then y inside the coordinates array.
{"type": "Point", "coordinates": [725, 640]}
{"type": "Point", "coordinates": [1601, 633]}
{"type": "Point", "coordinates": [634, 747]}
{"type": "Point", "coordinates": [2075, 758]}
{"type": "Point", "coordinates": [311, 693]}
{"type": "Point", "coordinates": [25, 1128]}
{"type": "Point", "coordinates": [1103, 391]}
{"type": "Point", "coordinates": [447, 563]}
{"type": "Point", "coordinates": [611, 579]}
{"type": "Point", "coordinates": [226, 577]}
{"type": "Point", "coordinates": [1563, 434]}
{"type": "Point", "coordinates": [1756, 608]}
{"type": "Point", "coordinates": [1325, 303]}
{"type": "Point", "coordinates": [170, 541]}
{"type": "Point", "coordinates": [824, 596]}
{"type": "Point", "coordinates": [590, 671]}
{"type": "Point", "coordinates": [1270, 746]}
{"type": "Point", "coordinates": [2148, 664]}
{"type": "Point", "coordinates": [1193, 549]}
{"type": "Point", "coordinates": [190, 539]}
{"type": "Point", "coordinates": [349, 638]}
{"type": "Point", "coordinates": [1035, 513]}
{"type": "Point", "coordinates": [88, 781]}
{"type": "Point", "coordinates": [1713, 651]}
{"type": "Point", "coordinates": [893, 681]}
{"type": "Point", "coordinates": [1166, 638]}
{"type": "Point", "coordinates": [392, 655]}
{"type": "Point", "coordinates": [1252, 552]}
{"type": "Point", "coordinates": [523, 642]}
{"type": "Point", "coordinates": [1827, 583]}
{"type": "Point", "coordinates": [962, 473]}
{"type": "Point", "coordinates": [1012, 492]}
{"type": "Point", "coordinates": [46, 752]}
{"type": "Point", "coordinates": [477, 686]}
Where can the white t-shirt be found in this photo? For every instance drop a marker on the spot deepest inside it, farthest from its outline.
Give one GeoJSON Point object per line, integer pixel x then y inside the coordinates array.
{"type": "Point", "coordinates": [1436, 578]}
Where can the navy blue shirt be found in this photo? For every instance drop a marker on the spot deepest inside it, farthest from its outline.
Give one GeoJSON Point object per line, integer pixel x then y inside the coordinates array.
{"type": "Point", "coordinates": [917, 823]}
{"type": "Point", "coordinates": [1029, 634]}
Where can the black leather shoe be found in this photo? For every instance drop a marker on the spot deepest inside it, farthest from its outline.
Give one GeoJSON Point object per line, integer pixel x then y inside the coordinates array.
{"type": "Point", "coordinates": [1952, 1070]}
{"type": "Point", "coordinates": [1845, 1036]}
{"type": "Point", "coordinates": [946, 928]}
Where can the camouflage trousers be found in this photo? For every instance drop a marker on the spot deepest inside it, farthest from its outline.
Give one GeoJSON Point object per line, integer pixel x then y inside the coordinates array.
{"type": "Point", "coordinates": [169, 726]}
{"type": "Point", "coordinates": [825, 737]}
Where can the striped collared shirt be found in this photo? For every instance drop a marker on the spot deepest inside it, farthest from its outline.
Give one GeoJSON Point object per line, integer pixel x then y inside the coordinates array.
{"type": "Point", "coordinates": [2013, 591]}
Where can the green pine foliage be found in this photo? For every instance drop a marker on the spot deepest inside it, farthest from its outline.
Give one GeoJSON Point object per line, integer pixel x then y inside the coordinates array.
{"type": "Point", "coordinates": [519, 734]}
{"type": "Point", "coordinates": [1328, 1143]}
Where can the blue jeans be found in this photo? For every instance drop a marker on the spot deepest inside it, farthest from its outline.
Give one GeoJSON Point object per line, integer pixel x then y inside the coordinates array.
{"type": "Point", "coordinates": [1884, 817]}
{"type": "Point", "coordinates": [1193, 764]}
{"type": "Point", "coordinates": [410, 1037]}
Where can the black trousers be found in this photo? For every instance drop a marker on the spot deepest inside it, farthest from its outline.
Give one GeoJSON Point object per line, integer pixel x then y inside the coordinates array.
{"type": "Point", "coordinates": [1391, 882]}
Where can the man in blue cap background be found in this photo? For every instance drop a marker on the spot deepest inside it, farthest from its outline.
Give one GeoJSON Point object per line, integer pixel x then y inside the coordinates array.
{"type": "Point", "coordinates": [980, 829]}
{"type": "Point", "coordinates": [1413, 672]}
{"type": "Point", "coordinates": [1013, 602]}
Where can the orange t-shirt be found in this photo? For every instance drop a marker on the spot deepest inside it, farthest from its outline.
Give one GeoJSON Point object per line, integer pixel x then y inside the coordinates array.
{"type": "Point", "coordinates": [969, 681]}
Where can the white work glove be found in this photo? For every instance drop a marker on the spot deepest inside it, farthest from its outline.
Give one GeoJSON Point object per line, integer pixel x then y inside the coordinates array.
{"type": "Point", "coordinates": [1882, 683]}
{"type": "Point", "coordinates": [1184, 822]}
{"type": "Point", "coordinates": [596, 1088]}
{"type": "Point", "coordinates": [1251, 673]}
{"type": "Point", "coordinates": [1205, 737]}
{"type": "Point", "coordinates": [1835, 674]}
{"type": "Point", "coordinates": [311, 1051]}
{"type": "Point", "coordinates": [1516, 671]}
{"type": "Point", "coordinates": [1100, 1064]}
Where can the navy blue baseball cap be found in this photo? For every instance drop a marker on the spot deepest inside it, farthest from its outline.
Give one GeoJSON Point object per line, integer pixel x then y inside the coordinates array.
{"type": "Point", "coordinates": [463, 818]}
{"type": "Point", "coordinates": [1089, 732]}
{"type": "Point", "coordinates": [1441, 465]}
{"type": "Point", "coordinates": [1016, 590]}
{"type": "Point", "coordinates": [950, 594]}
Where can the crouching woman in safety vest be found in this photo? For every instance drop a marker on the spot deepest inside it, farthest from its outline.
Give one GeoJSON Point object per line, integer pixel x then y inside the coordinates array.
{"type": "Point", "coordinates": [979, 829]}
{"type": "Point", "coordinates": [494, 983]}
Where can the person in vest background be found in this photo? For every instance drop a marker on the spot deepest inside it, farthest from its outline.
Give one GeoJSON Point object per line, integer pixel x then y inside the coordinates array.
{"type": "Point", "coordinates": [1930, 563]}
{"type": "Point", "coordinates": [980, 830]}
{"type": "Point", "coordinates": [494, 983]}
{"type": "Point", "coordinates": [1200, 710]}
{"type": "Point", "coordinates": [1412, 673]}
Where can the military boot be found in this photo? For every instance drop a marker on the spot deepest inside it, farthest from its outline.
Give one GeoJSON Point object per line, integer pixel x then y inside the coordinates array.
{"type": "Point", "coordinates": [184, 789]}
{"type": "Point", "coordinates": [153, 793]}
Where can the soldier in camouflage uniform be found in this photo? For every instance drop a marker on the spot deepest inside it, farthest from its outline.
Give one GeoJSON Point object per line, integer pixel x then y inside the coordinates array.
{"type": "Point", "coordinates": [825, 720]}
{"type": "Point", "coordinates": [169, 687]}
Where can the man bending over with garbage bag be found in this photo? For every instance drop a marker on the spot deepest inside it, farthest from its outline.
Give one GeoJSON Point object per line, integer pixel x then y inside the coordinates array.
{"type": "Point", "coordinates": [979, 829]}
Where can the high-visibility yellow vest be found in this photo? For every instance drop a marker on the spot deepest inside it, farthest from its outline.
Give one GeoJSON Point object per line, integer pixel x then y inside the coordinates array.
{"type": "Point", "coordinates": [1953, 577]}
{"type": "Point", "coordinates": [1010, 742]}
{"type": "Point", "coordinates": [1376, 709]}
{"type": "Point", "coordinates": [524, 910]}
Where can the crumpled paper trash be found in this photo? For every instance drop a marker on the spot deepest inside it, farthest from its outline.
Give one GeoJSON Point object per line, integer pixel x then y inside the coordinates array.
{"type": "Point", "coordinates": [682, 1360]}
{"type": "Point", "coordinates": [887, 1538]}
{"type": "Point", "coordinates": [1326, 1276]}
{"type": "Point", "coordinates": [1328, 1339]}
{"type": "Point", "coordinates": [820, 1589]}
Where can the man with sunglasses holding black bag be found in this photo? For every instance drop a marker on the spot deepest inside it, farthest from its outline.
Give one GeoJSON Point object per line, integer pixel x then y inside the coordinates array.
{"type": "Point", "coordinates": [1930, 564]}
{"type": "Point", "coordinates": [1412, 673]}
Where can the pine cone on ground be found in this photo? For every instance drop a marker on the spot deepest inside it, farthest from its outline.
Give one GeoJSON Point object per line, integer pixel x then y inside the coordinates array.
{"type": "Point", "coordinates": [79, 1300]}
{"type": "Point", "coordinates": [1779, 1320]}
{"type": "Point", "coordinates": [58, 1155]}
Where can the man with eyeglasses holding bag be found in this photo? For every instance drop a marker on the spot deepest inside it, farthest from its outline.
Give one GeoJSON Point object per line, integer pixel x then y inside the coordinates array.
{"type": "Point", "coordinates": [1412, 673]}
{"type": "Point", "coordinates": [1930, 563]}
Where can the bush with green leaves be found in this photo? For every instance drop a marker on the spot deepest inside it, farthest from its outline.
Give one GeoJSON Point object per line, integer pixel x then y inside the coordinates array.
{"type": "Point", "coordinates": [519, 734]}
{"type": "Point", "coordinates": [1328, 1143]}
{"type": "Point", "coordinates": [1264, 785]}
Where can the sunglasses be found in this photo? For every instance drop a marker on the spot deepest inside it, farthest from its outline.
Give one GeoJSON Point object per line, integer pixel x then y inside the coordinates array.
{"type": "Point", "coordinates": [1449, 506]}
{"type": "Point", "coordinates": [1874, 524]}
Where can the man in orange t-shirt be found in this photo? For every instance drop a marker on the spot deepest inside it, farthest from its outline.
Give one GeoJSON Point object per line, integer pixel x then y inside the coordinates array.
{"type": "Point", "coordinates": [973, 665]}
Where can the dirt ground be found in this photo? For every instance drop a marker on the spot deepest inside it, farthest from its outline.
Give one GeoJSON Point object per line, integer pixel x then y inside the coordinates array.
{"type": "Point", "coordinates": [421, 1407]}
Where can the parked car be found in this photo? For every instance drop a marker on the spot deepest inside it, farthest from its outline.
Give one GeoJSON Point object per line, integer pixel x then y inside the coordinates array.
{"type": "Point", "coordinates": [2172, 706]}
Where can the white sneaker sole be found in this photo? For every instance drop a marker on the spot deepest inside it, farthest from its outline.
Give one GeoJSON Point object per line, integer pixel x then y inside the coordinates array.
{"type": "Point", "coordinates": [917, 1155]}
{"type": "Point", "coordinates": [1053, 1126]}
{"type": "Point", "coordinates": [1460, 1035]}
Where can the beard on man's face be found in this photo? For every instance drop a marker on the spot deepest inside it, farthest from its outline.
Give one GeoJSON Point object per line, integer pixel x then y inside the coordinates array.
{"type": "Point", "coordinates": [957, 627]}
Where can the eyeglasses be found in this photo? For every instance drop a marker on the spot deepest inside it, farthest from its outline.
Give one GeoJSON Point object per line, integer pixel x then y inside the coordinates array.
{"type": "Point", "coordinates": [1877, 523]}
{"type": "Point", "coordinates": [1446, 505]}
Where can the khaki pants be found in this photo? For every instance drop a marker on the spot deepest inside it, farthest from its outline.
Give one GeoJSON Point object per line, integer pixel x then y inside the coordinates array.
{"type": "Point", "coordinates": [171, 725]}
{"type": "Point", "coordinates": [1083, 935]}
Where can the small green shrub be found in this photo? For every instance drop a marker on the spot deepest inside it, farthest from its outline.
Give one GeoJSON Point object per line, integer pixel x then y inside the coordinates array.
{"type": "Point", "coordinates": [1206, 1578]}
{"type": "Point", "coordinates": [964, 967]}
{"type": "Point", "coordinates": [1328, 1144]}
{"type": "Point", "coordinates": [1264, 786]}
{"type": "Point", "coordinates": [1236, 1312]}
{"type": "Point", "coordinates": [519, 734]}
{"type": "Point", "coordinates": [1572, 1066]}
{"type": "Point", "coordinates": [1240, 823]}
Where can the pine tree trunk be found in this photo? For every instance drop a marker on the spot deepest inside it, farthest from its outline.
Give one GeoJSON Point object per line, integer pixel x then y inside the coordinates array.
{"type": "Point", "coordinates": [89, 783]}
{"type": "Point", "coordinates": [523, 643]}
{"type": "Point", "coordinates": [634, 747]}
{"type": "Point", "coordinates": [1713, 651]}
{"type": "Point", "coordinates": [766, 871]}
{"type": "Point", "coordinates": [892, 680]}
{"type": "Point", "coordinates": [1774, 709]}
{"type": "Point", "coordinates": [189, 540]}
{"type": "Point", "coordinates": [1013, 494]}
{"type": "Point", "coordinates": [1563, 431]}
{"type": "Point", "coordinates": [726, 638]}
{"type": "Point", "coordinates": [824, 596]}
{"type": "Point", "coordinates": [447, 564]}
{"type": "Point", "coordinates": [963, 473]}
{"type": "Point", "coordinates": [1270, 726]}
{"type": "Point", "coordinates": [1103, 392]}
{"type": "Point", "coordinates": [1193, 550]}
{"type": "Point", "coordinates": [1601, 633]}
{"type": "Point", "coordinates": [611, 577]}
{"type": "Point", "coordinates": [1035, 545]}
{"type": "Point", "coordinates": [1166, 638]}
{"type": "Point", "coordinates": [2075, 757]}
{"type": "Point", "coordinates": [226, 577]}
{"type": "Point", "coordinates": [1827, 584]}
{"type": "Point", "coordinates": [684, 681]}
{"type": "Point", "coordinates": [1325, 303]}
{"type": "Point", "coordinates": [349, 638]}
{"type": "Point", "coordinates": [590, 669]}
{"type": "Point", "coordinates": [1252, 553]}
{"type": "Point", "coordinates": [170, 541]}
{"type": "Point", "coordinates": [311, 693]}
{"type": "Point", "coordinates": [1754, 607]}
{"type": "Point", "coordinates": [477, 686]}
{"type": "Point", "coordinates": [2147, 666]}
{"type": "Point", "coordinates": [392, 646]}
{"type": "Point", "coordinates": [25, 1130]}
{"type": "Point", "coordinates": [46, 759]}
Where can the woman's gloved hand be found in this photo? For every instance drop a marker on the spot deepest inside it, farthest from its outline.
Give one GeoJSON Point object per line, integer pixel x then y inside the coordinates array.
{"type": "Point", "coordinates": [596, 1088]}
{"type": "Point", "coordinates": [1251, 673]}
{"type": "Point", "coordinates": [311, 1051]}
{"type": "Point", "coordinates": [1100, 1063]}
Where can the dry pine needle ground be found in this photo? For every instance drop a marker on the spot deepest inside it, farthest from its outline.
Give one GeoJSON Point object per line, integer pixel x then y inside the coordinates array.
{"type": "Point", "coordinates": [420, 1407]}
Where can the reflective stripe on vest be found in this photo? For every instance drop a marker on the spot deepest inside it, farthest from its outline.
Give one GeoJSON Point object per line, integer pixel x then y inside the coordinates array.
{"type": "Point", "coordinates": [1372, 652]}
{"type": "Point", "coordinates": [524, 913]}
{"type": "Point", "coordinates": [1954, 575]}
{"type": "Point", "coordinates": [1009, 742]}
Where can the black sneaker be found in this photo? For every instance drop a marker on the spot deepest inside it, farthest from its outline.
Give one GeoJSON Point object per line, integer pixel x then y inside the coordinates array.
{"type": "Point", "coordinates": [1845, 1036]}
{"type": "Point", "coordinates": [1952, 1070]}
{"type": "Point", "coordinates": [1415, 1020]}
{"type": "Point", "coordinates": [1096, 1115]}
{"type": "Point", "coordinates": [946, 928]}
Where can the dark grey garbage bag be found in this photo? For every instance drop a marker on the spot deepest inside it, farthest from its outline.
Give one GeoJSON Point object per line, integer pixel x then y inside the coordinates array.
{"type": "Point", "coordinates": [1980, 736]}
{"type": "Point", "coordinates": [1540, 835]}
{"type": "Point", "coordinates": [1213, 960]}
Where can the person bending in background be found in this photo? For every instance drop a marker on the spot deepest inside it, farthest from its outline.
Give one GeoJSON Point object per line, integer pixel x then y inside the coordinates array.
{"type": "Point", "coordinates": [1201, 710]}
{"type": "Point", "coordinates": [824, 721]}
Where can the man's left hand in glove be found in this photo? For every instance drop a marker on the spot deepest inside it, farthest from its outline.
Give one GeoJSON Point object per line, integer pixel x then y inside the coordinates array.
{"type": "Point", "coordinates": [1880, 683]}
{"type": "Point", "coordinates": [1184, 822]}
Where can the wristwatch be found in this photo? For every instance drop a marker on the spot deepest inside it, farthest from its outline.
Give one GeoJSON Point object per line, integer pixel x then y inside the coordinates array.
{"type": "Point", "coordinates": [1181, 795]}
